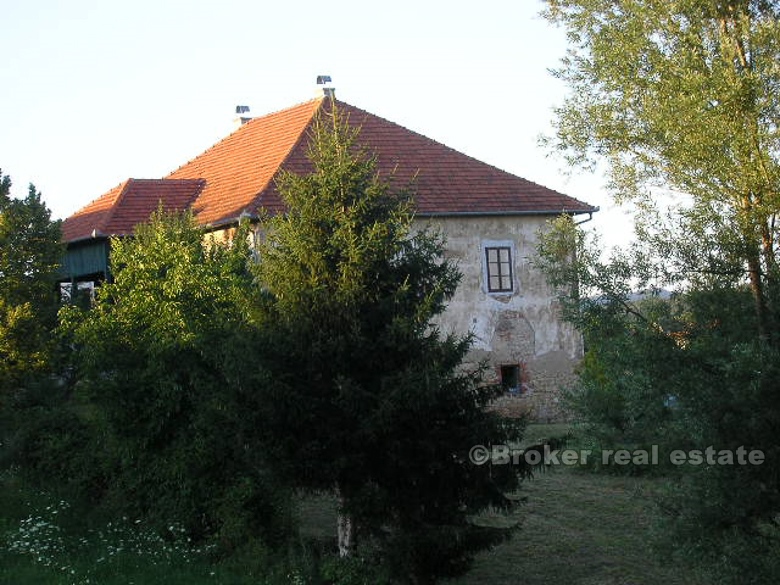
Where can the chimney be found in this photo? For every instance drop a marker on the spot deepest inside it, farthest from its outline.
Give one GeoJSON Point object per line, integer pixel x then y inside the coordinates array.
{"type": "Point", "coordinates": [327, 90]}
{"type": "Point", "coordinates": [242, 116]}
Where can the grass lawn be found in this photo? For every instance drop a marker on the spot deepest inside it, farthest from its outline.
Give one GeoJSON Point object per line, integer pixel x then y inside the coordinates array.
{"type": "Point", "coordinates": [577, 529]}
{"type": "Point", "coordinates": [580, 529]}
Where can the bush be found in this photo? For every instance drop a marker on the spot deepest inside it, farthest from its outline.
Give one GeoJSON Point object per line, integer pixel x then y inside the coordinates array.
{"type": "Point", "coordinates": [167, 389]}
{"type": "Point", "coordinates": [701, 380]}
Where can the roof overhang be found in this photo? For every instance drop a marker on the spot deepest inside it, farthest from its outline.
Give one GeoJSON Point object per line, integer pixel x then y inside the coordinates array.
{"type": "Point", "coordinates": [547, 212]}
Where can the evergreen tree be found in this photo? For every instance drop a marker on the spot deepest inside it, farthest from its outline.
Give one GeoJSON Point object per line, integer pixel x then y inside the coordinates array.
{"type": "Point", "coordinates": [372, 402]}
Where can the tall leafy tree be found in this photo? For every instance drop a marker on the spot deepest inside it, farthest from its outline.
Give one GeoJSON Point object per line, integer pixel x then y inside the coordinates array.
{"type": "Point", "coordinates": [685, 373]}
{"type": "Point", "coordinates": [372, 402]}
{"type": "Point", "coordinates": [682, 96]}
{"type": "Point", "coordinates": [31, 388]}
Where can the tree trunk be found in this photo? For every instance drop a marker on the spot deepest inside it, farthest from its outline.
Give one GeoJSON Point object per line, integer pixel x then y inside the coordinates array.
{"type": "Point", "coordinates": [757, 288]}
{"type": "Point", "coordinates": [754, 233]}
{"type": "Point", "coordinates": [772, 273]}
{"type": "Point", "coordinates": [345, 528]}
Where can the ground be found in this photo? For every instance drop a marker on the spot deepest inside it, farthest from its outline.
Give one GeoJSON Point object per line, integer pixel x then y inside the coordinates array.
{"type": "Point", "coordinates": [581, 529]}
{"type": "Point", "coordinates": [577, 528]}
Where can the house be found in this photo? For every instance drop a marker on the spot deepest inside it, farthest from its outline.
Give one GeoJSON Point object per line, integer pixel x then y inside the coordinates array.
{"type": "Point", "coordinates": [489, 217]}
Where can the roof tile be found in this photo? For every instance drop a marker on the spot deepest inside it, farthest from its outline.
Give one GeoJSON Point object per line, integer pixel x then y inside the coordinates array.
{"type": "Point", "coordinates": [237, 175]}
{"type": "Point", "coordinates": [128, 204]}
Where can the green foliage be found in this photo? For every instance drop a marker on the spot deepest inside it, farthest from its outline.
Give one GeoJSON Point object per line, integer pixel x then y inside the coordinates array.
{"type": "Point", "coordinates": [30, 253]}
{"type": "Point", "coordinates": [370, 399]}
{"type": "Point", "coordinates": [680, 92]}
{"type": "Point", "coordinates": [684, 373]}
{"type": "Point", "coordinates": [725, 515]}
{"type": "Point", "coordinates": [163, 380]}
{"type": "Point", "coordinates": [47, 539]}
{"type": "Point", "coordinates": [31, 385]}
{"type": "Point", "coordinates": [353, 570]}
{"type": "Point", "coordinates": [681, 97]}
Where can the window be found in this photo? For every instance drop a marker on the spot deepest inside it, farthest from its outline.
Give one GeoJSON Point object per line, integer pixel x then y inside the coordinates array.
{"type": "Point", "coordinates": [84, 289]}
{"type": "Point", "coordinates": [498, 267]}
{"type": "Point", "coordinates": [510, 379]}
{"type": "Point", "coordinates": [498, 262]}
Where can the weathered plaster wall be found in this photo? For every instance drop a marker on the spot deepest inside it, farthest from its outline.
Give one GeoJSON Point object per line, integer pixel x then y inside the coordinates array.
{"type": "Point", "coordinates": [520, 328]}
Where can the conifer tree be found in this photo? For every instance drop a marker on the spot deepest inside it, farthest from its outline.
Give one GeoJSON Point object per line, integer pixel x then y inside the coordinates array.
{"type": "Point", "coordinates": [372, 402]}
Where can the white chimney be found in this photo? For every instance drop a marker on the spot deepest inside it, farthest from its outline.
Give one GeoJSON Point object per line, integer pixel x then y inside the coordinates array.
{"type": "Point", "coordinates": [327, 90]}
{"type": "Point", "coordinates": [242, 115]}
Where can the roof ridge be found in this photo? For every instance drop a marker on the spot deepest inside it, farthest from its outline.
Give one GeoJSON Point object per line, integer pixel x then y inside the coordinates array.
{"type": "Point", "coordinates": [241, 128]}
{"type": "Point", "coordinates": [454, 150]}
{"type": "Point", "coordinates": [295, 144]}
{"type": "Point", "coordinates": [161, 180]}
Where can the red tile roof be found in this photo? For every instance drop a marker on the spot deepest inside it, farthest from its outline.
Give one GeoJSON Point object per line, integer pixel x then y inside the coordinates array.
{"type": "Point", "coordinates": [237, 175]}
{"type": "Point", "coordinates": [241, 168]}
{"type": "Point", "coordinates": [128, 204]}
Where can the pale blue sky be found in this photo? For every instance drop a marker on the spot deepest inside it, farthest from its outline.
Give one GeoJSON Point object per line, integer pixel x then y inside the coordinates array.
{"type": "Point", "coordinates": [95, 92]}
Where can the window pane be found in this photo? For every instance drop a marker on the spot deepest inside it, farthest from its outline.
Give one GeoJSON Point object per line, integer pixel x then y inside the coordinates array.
{"type": "Point", "coordinates": [499, 268]}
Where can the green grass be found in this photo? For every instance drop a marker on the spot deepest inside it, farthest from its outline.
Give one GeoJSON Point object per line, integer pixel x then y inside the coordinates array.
{"type": "Point", "coordinates": [577, 528]}
{"type": "Point", "coordinates": [581, 529]}
{"type": "Point", "coordinates": [43, 541]}
{"type": "Point", "coordinates": [536, 432]}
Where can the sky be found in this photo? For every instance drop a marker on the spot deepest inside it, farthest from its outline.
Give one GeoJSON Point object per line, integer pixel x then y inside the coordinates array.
{"type": "Point", "coordinates": [95, 92]}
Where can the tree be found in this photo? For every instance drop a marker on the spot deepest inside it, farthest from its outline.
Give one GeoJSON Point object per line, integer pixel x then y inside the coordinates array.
{"type": "Point", "coordinates": [372, 402]}
{"type": "Point", "coordinates": [30, 252]}
{"type": "Point", "coordinates": [682, 96]}
{"type": "Point", "coordinates": [683, 374]}
{"type": "Point", "coordinates": [164, 379]}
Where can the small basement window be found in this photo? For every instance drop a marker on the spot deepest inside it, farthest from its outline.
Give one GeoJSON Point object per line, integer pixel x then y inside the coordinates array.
{"type": "Point", "coordinates": [510, 379]}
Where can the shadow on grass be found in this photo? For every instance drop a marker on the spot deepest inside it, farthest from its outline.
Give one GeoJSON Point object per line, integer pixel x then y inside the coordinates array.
{"type": "Point", "coordinates": [580, 529]}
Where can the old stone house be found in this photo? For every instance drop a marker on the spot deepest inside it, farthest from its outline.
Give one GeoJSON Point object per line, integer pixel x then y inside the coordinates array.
{"type": "Point", "coordinates": [489, 217]}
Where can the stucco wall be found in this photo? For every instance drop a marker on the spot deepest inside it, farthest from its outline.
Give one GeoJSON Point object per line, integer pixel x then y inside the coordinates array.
{"type": "Point", "coordinates": [521, 328]}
